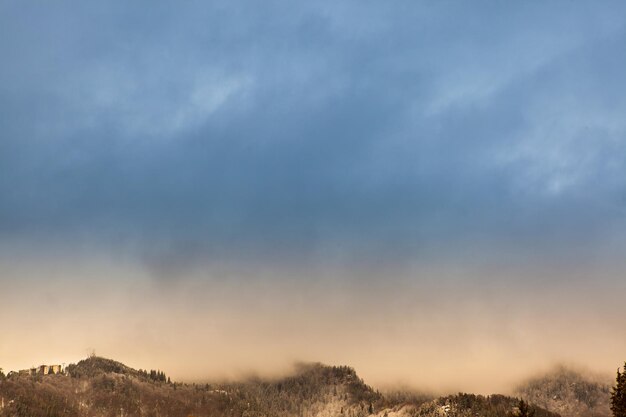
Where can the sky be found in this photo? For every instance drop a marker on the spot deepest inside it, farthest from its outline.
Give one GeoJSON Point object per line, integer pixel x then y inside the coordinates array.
{"type": "Point", "coordinates": [431, 192]}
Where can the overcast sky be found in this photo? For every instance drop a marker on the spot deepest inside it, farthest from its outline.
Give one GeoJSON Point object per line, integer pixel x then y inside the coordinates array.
{"type": "Point", "coordinates": [416, 155]}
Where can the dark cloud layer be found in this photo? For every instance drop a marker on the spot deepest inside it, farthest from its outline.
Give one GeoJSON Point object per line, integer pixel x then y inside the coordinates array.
{"type": "Point", "coordinates": [432, 192]}
{"type": "Point", "coordinates": [370, 132]}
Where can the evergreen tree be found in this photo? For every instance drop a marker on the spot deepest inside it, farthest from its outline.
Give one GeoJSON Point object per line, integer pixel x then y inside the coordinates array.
{"type": "Point", "coordinates": [618, 395]}
{"type": "Point", "coordinates": [525, 410]}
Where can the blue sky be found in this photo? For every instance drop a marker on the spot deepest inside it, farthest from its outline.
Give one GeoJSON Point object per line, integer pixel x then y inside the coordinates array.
{"type": "Point", "coordinates": [355, 135]}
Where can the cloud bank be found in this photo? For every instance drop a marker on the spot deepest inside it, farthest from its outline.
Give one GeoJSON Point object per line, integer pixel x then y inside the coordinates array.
{"type": "Point", "coordinates": [441, 157]}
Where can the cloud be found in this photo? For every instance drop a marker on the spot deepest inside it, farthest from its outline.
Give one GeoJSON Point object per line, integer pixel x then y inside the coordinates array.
{"type": "Point", "coordinates": [381, 185]}
{"type": "Point", "coordinates": [308, 132]}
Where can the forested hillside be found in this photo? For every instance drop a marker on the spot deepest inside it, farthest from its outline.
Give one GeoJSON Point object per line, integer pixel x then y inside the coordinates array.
{"type": "Point", "coordinates": [569, 392]}
{"type": "Point", "coordinates": [102, 387]}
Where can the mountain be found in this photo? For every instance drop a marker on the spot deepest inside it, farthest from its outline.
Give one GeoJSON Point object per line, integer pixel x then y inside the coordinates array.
{"type": "Point", "coordinates": [569, 392]}
{"type": "Point", "coordinates": [99, 387]}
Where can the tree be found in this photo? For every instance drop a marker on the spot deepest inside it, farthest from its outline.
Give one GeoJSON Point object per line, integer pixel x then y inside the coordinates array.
{"type": "Point", "coordinates": [618, 394]}
{"type": "Point", "coordinates": [525, 410]}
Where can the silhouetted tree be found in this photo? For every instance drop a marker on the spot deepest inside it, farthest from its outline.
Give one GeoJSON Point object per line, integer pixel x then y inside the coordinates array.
{"type": "Point", "coordinates": [525, 410]}
{"type": "Point", "coordinates": [618, 394]}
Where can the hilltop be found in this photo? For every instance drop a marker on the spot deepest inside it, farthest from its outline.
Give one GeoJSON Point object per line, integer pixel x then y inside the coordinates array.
{"type": "Point", "coordinates": [101, 387]}
{"type": "Point", "coordinates": [569, 392]}
{"type": "Point", "coordinates": [95, 366]}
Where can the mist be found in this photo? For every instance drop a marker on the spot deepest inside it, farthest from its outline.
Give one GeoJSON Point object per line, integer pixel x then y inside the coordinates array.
{"type": "Point", "coordinates": [440, 335]}
{"type": "Point", "coordinates": [434, 194]}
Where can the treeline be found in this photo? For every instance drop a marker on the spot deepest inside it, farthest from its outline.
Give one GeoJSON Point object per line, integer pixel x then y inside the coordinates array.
{"type": "Point", "coordinates": [472, 405]}
{"type": "Point", "coordinates": [105, 388]}
{"type": "Point", "coordinates": [155, 375]}
{"type": "Point", "coordinates": [98, 386]}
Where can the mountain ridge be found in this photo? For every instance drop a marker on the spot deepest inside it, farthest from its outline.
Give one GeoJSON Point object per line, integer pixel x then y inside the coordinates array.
{"type": "Point", "coordinates": [101, 387]}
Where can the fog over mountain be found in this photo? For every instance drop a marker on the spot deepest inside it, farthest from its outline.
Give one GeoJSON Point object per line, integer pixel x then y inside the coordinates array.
{"type": "Point", "coordinates": [569, 392]}
{"type": "Point", "coordinates": [433, 193]}
{"type": "Point", "coordinates": [103, 387]}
